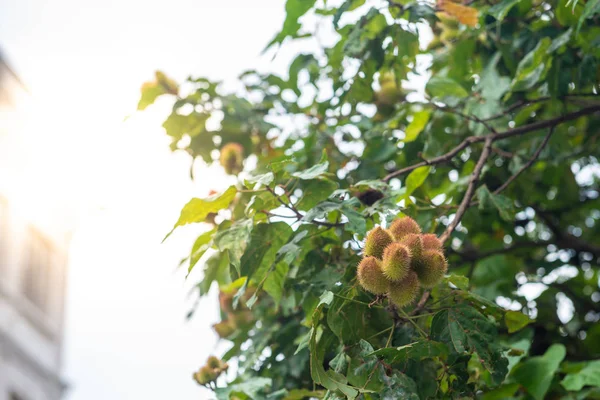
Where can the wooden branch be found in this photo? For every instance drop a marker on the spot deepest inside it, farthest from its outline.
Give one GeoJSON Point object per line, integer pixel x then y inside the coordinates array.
{"type": "Point", "coordinates": [470, 190]}
{"type": "Point", "coordinates": [494, 137]}
{"type": "Point", "coordinates": [527, 164]}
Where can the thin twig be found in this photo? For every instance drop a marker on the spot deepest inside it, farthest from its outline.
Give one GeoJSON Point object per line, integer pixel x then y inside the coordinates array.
{"type": "Point", "coordinates": [470, 190]}
{"type": "Point", "coordinates": [528, 163]}
{"type": "Point", "coordinates": [494, 137]}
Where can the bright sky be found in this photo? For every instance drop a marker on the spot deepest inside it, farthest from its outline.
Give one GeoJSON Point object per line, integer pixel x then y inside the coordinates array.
{"type": "Point", "coordinates": [116, 182]}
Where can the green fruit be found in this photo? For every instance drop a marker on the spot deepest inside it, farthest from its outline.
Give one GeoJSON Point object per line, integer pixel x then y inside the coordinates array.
{"type": "Point", "coordinates": [432, 267]}
{"type": "Point", "coordinates": [232, 158]}
{"type": "Point", "coordinates": [396, 262]}
{"type": "Point", "coordinates": [377, 240]}
{"type": "Point", "coordinates": [415, 245]}
{"type": "Point", "coordinates": [431, 242]}
{"type": "Point", "coordinates": [213, 362]}
{"type": "Point", "coordinates": [404, 292]}
{"type": "Point", "coordinates": [205, 375]}
{"type": "Point", "coordinates": [404, 226]}
{"type": "Point", "coordinates": [371, 277]}
{"type": "Point", "coordinates": [224, 329]}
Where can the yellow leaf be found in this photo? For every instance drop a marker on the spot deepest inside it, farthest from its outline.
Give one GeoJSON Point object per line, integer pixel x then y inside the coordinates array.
{"type": "Point", "coordinates": [465, 14]}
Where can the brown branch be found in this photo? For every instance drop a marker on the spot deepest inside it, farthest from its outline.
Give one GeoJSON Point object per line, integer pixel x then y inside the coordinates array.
{"type": "Point", "coordinates": [473, 118]}
{"type": "Point", "coordinates": [470, 190]}
{"type": "Point", "coordinates": [494, 137]}
{"type": "Point", "coordinates": [527, 164]}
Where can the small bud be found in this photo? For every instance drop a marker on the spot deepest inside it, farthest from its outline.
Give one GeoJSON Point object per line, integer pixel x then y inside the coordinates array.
{"type": "Point", "coordinates": [404, 226]}
{"type": "Point", "coordinates": [377, 240]}
{"type": "Point", "coordinates": [224, 329]}
{"type": "Point", "coordinates": [371, 277]}
{"type": "Point", "coordinates": [396, 262]}
{"type": "Point", "coordinates": [213, 362]}
{"type": "Point", "coordinates": [404, 292]}
{"type": "Point", "coordinates": [431, 268]}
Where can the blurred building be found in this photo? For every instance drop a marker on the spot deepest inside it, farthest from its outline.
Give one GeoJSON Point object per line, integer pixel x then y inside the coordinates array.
{"type": "Point", "coordinates": [32, 270]}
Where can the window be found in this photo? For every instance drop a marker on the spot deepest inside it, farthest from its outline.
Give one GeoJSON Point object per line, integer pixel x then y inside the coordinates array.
{"type": "Point", "coordinates": [37, 270]}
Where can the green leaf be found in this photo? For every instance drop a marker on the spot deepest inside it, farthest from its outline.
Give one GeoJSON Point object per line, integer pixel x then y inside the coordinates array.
{"type": "Point", "coordinates": [299, 394]}
{"type": "Point", "coordinates": [592, 7]}
{"type": "Point", "coordinates": [466, 331]}
{"type": "Point", "coordinates": [250, 387]}
{"type": "Point", "coordinates": [560, 41]}
{"type": "Point", "coordinates": [294, 9]}
{"type": "Point", "coordinates": [460, 281]}
{"type": "Point", "coordinates": [199, 248]}
{"type": "Point", "coordinates": [196, 210]}
{"type": "Point", "coordinates": [515, 321]}
{"type": "Point", "coordinates": [312, 172]}
{"type": "Point", "coordinates": [233, 239]}
{"type": "Point", "coordinates": [258, 181]}
{"type": "Point", "coordinates": [488, 200]}
{"type": "Point", "coordinates": [315, 191]}
{"type": "Point", "coordinates": [417, 125]}
{"type": "Point", "coordinates": [589, 375]}
{"type": "Point", "coordinates": [328, 379]}
{"type": "Point", "coordinates": [413, 351]}
{"type": "Point", "coordinates": [533, 67]}
{"type": "Point", "coordinates": [265, 242]}
{"type": "Point", "coordinates": [500, 10]}
{"type": "Point", "coordinates": [536, 373]}
{"type": "Point", "coordinates": [442, 87]}
{"type": "Point", "coordinates": [416, 178]}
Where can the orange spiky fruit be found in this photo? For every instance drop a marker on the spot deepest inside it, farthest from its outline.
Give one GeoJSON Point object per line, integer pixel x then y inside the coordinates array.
{"type": "Point", "coordinates": [404, 292]}
{"type": "Point", "coordinates": [431, 242]}
{"type": "Point", "coordinates": [415, 244]}
{"type": "Point", "coordinates": [404, 226]}
{"type": "Point", "coordinates": [431, 268]}
{"type": "Point", "coordinates": [396, 261]}
{"type": "Point", "coordinates": [377, 240]}
{"type": "Point", "coordinates": [232, 158]}
{"type": "Point", "coordinates": [371, 277]}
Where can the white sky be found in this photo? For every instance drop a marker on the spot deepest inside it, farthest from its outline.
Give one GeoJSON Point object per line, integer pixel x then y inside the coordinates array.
{"type": "Point", "coordinates": [84, 62]}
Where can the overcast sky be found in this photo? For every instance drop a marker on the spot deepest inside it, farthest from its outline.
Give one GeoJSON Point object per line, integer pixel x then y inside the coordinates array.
{"type": "Point", "coordinates": [84, 62]}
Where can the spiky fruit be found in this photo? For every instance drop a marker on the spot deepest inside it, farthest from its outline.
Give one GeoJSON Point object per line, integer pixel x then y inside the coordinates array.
{"type": "Point", "coordinates": [232, 158]}
{"type": "Point", "coordinates": [432, 267]}
{"type": "Point", "coordinates": [224, 329]}
{"type": "Point", "coordinates": [213, 362]}
{"type": "Point", "coordinates": [371, 277]}
{"type": "Point", "coordinates": [415, 244]}
{"type": "Point", "coordinates": [404, 292]}
{"type": "Point", "coordinates": [396, 261]}
{"type": "Point", "coordinates": [205, 375]}
{"type": "Point", "coordinates": [377, 240]}
{"type": "Point", "coordinates": [241, 319]}
{"type": "Point", "coordinates": [404, 226]}
{"type": "Point", "coordinates": [431, 242]}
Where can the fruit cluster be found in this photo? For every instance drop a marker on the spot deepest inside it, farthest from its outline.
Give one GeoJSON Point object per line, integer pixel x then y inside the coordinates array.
{"type": "Point", "coordinates": [400, 260]}
{"type": "Point", "coordinates": [210, 371]}
{"type": "Point", "coordinates": [239, 318]}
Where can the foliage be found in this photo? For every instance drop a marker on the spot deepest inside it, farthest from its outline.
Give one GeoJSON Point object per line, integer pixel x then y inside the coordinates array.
{"type": "Point", "coordinates": [481, 121]}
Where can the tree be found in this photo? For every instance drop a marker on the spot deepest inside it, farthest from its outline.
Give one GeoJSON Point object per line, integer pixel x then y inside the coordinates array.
{"type": "Point", "coordinates": [497, 156]}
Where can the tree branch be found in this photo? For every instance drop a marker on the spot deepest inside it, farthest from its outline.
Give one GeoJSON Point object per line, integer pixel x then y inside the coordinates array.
{"type": "Point", "coordinates": [470, 190]}
{"type": "Point", "coordinates": [528, 163]}
{"type": "Point", "coordinates": [494, 137]}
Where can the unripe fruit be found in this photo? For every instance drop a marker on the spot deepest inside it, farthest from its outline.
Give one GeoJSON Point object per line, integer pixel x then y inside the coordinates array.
{"type": "Point", "coordinates": [404, 226]}
{"type": "Point", "coordinates": [213, 362]}
{"type": "Point", "coordinates": [404, 292]}
{"type": "Point", "coordinates": [241, 319]}
{"type": "Point", "coordinates": [232, 158]}
{"type": "Point", "coordinates": [205, 375]}
{"type": "Point", "coordinates": [224, 329]}
{"type": "Point", "coordinates": [431, 268]}
{"type": "Point", "coordinates": [396, 262]}
{"type": "Point", "coordinates": [377, 240]}
{"type": "Point", "coordinates": [371, 277]}
{"type": "Point", "coordinates": [431, 242]}
{"type": "Point", "coordinates": [415, 244]}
